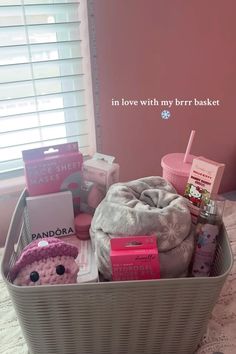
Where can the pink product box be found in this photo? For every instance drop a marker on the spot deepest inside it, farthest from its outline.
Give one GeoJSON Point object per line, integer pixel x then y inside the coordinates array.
{"type": "Point", "coordinates": [203, 182]}
{"type": "Point", "coordinates": [101, 170]}
{"type": "Point", "coordinates": [52, 169]}
{"type": "Point", "coordinates": [134, 258]}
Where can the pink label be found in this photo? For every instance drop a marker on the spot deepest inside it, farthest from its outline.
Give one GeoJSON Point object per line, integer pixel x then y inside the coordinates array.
{"type": "Point", "coordinates": [134, 258]}
{"type": "Point", "coordinates": [204, 180]}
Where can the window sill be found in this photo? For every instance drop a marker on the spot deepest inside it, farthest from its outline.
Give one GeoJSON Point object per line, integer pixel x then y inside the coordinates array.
{"type": "Point", "coordinates": [11, 185]}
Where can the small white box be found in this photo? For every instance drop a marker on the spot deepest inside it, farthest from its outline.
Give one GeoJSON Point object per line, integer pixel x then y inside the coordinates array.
{"type": "Point", "coordinates": [101, 170]}
{"type": "Point", "coordinates": [51, 215]}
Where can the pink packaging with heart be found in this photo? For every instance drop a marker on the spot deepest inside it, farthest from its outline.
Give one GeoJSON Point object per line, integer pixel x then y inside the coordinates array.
{"type": "Point", "coordinates": [52, 169]}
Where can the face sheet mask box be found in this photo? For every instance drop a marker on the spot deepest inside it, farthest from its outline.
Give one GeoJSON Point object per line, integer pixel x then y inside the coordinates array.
{"type": "Point", "coordinates": [52, 169]}
{"type": "Point", "coordinates": [101, 170]}
{"type": "Point", "coordinates": [51, 215]}
{"type": "Point", "coordinates": [203, 182]}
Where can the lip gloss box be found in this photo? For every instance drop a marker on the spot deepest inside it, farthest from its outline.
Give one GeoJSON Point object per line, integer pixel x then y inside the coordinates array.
{"type": "Point", "coordinates": [203, 182]}
{"type": "Point", "coordinates": [134, 258]}
{"type": "Point", "coordinates": [52, 169]}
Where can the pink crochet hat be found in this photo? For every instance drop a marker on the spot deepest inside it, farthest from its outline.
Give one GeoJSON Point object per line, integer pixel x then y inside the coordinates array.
{"type": "Point", "coordinates": [42, 249]}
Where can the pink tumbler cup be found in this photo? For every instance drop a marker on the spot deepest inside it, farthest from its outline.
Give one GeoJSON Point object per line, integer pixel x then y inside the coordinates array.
{"type": "Point", "coordinates": [176, 171]}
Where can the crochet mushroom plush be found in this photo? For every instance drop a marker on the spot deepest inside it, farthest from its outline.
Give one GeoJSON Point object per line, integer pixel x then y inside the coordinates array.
{"type": "Point", "coordinates": [44, 262]}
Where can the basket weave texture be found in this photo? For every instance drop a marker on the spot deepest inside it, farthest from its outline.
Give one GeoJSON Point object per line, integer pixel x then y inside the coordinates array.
{"type": "Point", "coordinates": [134, 317]}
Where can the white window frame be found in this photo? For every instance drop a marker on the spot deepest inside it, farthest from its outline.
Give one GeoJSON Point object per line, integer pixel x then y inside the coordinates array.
{"type": "Point", "coordinates": [91, 82]}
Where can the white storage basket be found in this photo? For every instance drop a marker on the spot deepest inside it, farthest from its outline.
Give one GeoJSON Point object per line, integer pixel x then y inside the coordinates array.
{"type": "Point", "coordinates": [133, 317]}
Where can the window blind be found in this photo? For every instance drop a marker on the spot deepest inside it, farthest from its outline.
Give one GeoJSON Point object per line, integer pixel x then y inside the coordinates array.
{"type": "Point", "coordinates": [42, 81]}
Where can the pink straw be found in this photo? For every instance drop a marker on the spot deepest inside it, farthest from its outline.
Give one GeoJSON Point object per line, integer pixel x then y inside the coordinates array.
{"type": "Point", "coordinates": [189, 146]}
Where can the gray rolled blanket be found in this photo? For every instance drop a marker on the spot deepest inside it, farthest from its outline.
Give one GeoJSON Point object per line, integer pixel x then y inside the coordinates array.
{"type": "Point", "coordinates": [146, 206]}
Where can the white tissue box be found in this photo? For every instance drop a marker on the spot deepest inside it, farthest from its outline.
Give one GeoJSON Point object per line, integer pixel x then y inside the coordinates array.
{"type": "Point", "coordinates": [101, 170]}
{"type": "Point", "coordinates": [51, 215]}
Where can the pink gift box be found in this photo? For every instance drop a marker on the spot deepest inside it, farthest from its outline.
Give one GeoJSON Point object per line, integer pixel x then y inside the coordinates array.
{"type": "Point", "coordinates": [134, 258]}
{"type": "Point", "coordinates": [52, 169]}
{"type": "Point", "coordinates": [203, 182]}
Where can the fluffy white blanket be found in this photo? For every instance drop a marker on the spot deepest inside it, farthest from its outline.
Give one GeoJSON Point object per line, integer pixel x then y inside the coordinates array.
{"type": "Point", "coordinates": [146, 206]}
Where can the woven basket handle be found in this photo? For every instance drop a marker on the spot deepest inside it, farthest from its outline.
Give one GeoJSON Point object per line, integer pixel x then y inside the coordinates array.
{"type": "Point", "coordinates": [14, 232]}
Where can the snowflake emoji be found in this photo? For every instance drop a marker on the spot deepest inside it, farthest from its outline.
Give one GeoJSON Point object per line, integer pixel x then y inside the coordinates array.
{"type": "Point", "coordinates": [165, 114]}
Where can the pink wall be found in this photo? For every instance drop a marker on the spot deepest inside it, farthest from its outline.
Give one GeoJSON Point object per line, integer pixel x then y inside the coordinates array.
{"type": "Point", "coordinates": [167, 49]}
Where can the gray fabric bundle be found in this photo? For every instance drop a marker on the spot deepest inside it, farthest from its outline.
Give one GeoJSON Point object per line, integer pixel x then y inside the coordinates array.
{"type": "Point", "coordinates": [146, 206]}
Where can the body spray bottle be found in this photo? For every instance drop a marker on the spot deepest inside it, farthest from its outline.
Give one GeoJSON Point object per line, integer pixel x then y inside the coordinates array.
{"type": "Point", "coordinates": [207, 231]}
